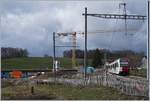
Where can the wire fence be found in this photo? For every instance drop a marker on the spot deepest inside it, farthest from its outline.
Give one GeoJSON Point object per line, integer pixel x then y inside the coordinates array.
{"type": "Point", "coordinates": [126, 85]}
{"type": "Point", "coordinates": [129, 86]}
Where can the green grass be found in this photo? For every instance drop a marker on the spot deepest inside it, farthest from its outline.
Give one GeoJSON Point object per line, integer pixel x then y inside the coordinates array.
{"type": "Point", "coordinates": [26, 63]}
{"type": "Point", "coordinates": [140, 72]}
{"type": "Point", "coordinates": [35, 63]}
{"type": "Point", "coordinates": [65, 93]}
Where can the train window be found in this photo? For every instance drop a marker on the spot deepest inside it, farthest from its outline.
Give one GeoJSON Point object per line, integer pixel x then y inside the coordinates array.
{"type": "Point", "coordinates": [124, 63]}
{"type": "Point", "coordinates": [116, 64]}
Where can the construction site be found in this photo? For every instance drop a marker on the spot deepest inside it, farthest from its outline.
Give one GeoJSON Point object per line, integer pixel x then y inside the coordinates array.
{"type": "Point", "coordinates": [102, 72]}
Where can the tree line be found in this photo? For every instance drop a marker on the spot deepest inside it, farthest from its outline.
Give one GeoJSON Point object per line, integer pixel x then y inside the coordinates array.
{"type": "Point", "coordinates": [97, 56]}
{"type": "Point", "coordinates": [111, 54]}
{"type": "Point", "coordinates": [9, 52]}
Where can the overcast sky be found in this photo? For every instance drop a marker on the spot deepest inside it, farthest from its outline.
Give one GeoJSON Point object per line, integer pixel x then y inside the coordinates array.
{"type": "Point", "coordinates": [30, 24]}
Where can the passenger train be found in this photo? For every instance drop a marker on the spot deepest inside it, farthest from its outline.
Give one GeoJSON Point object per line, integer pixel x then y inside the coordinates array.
{"type": "Point", "coordinates": [119, 66]}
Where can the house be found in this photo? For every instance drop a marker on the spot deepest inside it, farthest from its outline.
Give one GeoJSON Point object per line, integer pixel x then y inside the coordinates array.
{"type": "Point", "coordinates": [143, 64]}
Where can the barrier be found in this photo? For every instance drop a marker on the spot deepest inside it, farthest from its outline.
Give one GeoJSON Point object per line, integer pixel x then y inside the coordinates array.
{"type": "Point", "coordinates": [128, 86]}
{"type": "Point", "coordinates": [137, 87]}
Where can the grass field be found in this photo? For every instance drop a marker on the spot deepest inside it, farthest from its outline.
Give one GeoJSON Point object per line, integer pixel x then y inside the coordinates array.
{"type": "Point", "coordinates": [63, 92]}
{"type": "Point", "coordinates": [34, 63]}
{"type": "Point", "coordinates": [46, 62]}
{"type": "Point", "coordinates": [59, 91]}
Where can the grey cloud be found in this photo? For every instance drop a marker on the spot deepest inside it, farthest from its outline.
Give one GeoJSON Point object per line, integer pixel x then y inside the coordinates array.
{"type": "Point", "coordinates": [30, 24]}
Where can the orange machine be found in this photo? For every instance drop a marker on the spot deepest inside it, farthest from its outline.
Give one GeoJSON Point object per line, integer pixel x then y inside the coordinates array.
{"type": "Point", "coordinates": [16, 74]}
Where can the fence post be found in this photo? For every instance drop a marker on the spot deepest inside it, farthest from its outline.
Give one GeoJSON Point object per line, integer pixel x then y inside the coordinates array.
{"type": "Point", "coordinates": [32, 90]}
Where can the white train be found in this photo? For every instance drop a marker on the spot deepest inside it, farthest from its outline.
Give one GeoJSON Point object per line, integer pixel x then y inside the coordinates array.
{"type": "Point", "coordinates": [119, 66]}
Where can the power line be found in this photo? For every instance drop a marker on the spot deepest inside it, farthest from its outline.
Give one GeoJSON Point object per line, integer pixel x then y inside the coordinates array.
{"type": "Point", "coordinates": [107, 16]}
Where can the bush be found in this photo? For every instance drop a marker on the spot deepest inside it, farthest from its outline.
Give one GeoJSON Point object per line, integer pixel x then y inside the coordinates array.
{"type": "Point", "coordinates": [97, 58]}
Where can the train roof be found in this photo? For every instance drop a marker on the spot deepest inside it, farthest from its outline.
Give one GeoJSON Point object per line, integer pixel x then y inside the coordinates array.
{"type": "Point", "coordinates": [118, 60]}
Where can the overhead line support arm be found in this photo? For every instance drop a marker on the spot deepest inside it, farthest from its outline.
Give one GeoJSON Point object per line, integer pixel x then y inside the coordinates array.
{"type": "Point", "coordinates": [118, 16]}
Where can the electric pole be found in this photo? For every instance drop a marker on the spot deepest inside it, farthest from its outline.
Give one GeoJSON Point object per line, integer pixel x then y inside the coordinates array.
{"type": "Point", "coordinates": [74, 49]}
{"type": "Point", "coordinates": [54, 56]}
{"type": "Point", "coordinates": [125, 13]}
{"type": "Point", "coordinates": [108, 16]}
{"type": "Point", "coordinates": [85, 46]}
{"type": "Point", "coordinates": [148, 21]}
{"type": "Point", "coordinates": [105, 74]}
{"type": "Point", "coordinates": [54, 51]}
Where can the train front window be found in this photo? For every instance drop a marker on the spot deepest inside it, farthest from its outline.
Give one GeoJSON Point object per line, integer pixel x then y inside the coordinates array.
{"type": "Point", "coordinates": [123, 63]}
